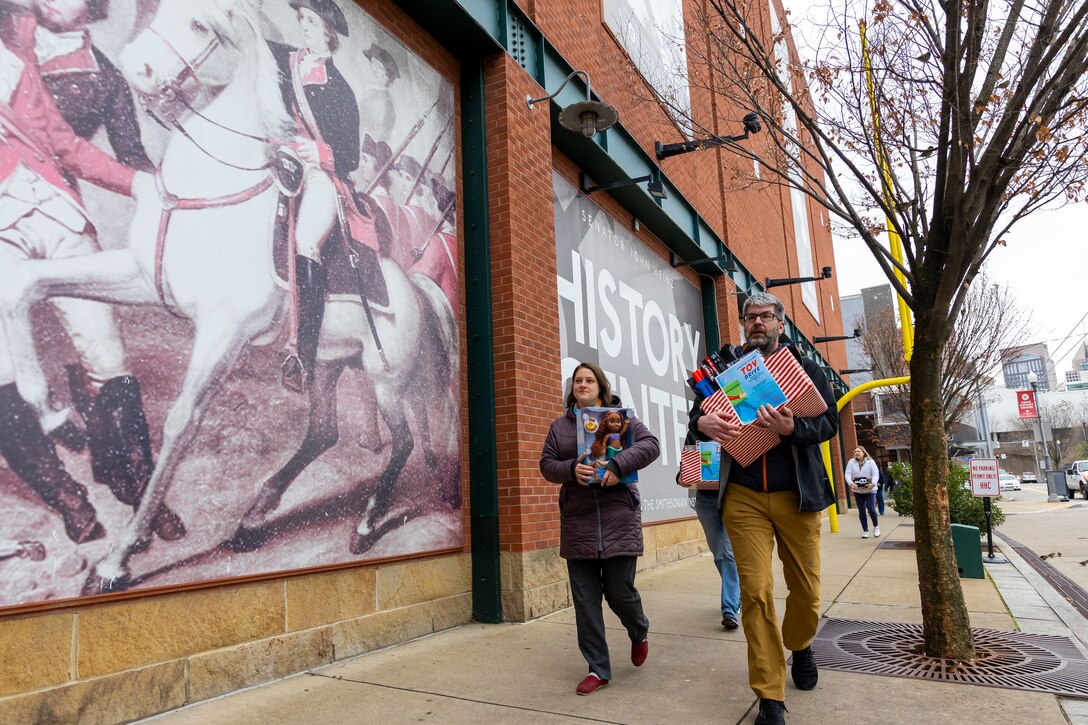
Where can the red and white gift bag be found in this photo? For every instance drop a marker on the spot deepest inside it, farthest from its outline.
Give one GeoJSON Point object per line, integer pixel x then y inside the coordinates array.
{"type": "Point", "coordinates": [802, 398]}
{"type": "Point", "coordinates": [691, 466]}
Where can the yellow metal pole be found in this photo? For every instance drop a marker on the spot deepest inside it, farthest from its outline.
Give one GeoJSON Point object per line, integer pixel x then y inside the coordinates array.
{"type": "Point", "coordinates": [894, 242]}
{"type": "Point", "coordinates": [833, 512]}
{"type": "Point", "coordinates": [825, 447]}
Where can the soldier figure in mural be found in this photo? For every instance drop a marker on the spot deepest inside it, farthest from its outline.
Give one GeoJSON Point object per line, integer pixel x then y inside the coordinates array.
{"type": "Point", "coordinates": [89, 91]}
{"type": "Point", "coordinates": [327, 114]}
{"type": "Point", "coordinates": [437, 255]}
{"type": "Point", "coordinates": [42, 216]}
{"type": "Point", "coordinates": [373, 157]}
{"type": "Point", "coordinates": [379, 114]}
{"type": "Point", "coordinates": [408, 231]}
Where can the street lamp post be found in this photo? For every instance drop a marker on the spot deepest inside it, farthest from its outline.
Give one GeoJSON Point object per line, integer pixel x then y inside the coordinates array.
{"type": "Point", "coordinates": [1033, 381]}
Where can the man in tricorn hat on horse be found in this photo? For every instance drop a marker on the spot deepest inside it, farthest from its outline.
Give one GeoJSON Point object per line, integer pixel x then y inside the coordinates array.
{"type": "Point", "coordinates": [326, 114]}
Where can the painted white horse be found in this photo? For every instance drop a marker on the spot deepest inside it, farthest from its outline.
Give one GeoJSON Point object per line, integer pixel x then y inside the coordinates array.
{"type": "Point", "coordinates": [204, 249]}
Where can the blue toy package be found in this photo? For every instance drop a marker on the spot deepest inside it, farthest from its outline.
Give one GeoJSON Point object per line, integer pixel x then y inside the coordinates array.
{"type": "Point", "coordinates": [710, 461]}
{"type": "Point", "coordinates": [749, 385]}
{"type": "Point", "coordinates": [602, 434]}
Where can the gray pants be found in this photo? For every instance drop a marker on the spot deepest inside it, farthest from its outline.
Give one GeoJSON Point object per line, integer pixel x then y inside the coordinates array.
{"type": "Point", "coordinates": [615, 579]}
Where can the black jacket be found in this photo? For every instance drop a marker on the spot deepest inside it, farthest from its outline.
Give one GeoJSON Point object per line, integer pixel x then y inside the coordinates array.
{"type": "Point", "coordinates": [334, 106]}
{"type": "Point", "coordinates": [808, 434]}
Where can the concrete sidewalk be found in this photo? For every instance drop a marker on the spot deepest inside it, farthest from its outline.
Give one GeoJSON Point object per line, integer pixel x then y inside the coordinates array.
{"type": "Point", "coordinates": [696, 672]}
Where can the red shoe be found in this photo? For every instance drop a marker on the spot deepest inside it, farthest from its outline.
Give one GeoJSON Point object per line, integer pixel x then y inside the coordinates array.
{"type": "Point", "coordinates": [639, 650]}
{"type": "Point", "coordinates": [590, 684]}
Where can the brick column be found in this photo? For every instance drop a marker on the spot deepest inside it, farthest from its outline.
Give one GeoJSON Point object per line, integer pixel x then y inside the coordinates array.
{"type": "Point", "coordinates": [526, 338]}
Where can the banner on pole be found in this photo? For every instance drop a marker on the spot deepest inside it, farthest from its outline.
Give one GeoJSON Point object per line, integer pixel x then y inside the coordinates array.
{"type": "Point", "coordinates": [1025, 404]}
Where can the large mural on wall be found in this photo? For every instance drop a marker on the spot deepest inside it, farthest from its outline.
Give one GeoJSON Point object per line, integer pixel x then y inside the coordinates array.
{"type": "Point", "coordinates": [623, 307]}
{"type": "Point", "coordinates": [228, 291]}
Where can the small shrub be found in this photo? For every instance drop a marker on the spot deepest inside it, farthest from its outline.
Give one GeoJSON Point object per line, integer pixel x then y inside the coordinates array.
{"type": "Point", "coordinates": [963, 508]}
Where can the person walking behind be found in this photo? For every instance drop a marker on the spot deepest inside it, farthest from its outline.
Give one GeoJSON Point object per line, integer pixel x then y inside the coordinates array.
{"type": "Point", "coordinates": [862, 475]}
{"type": "Point", "coordinates": [600, 532]}
{"type": "Point", "coordinates": [721, 548]}
{"type": "Point", "coordinates": [778, 497]}
{"type": "Point", "coordinates": [717, 540]}
{"type": "Point", "coordinates": [880, 476]}
{"type": "Point", "coordinates": [887, 485]}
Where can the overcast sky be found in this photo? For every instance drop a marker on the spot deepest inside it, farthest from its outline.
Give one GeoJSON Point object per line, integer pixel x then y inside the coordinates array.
{"type": "Point", "coordinates": [1045, 263]}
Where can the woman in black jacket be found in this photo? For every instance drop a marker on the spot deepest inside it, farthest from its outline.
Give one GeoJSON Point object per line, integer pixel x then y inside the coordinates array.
{"type": "Point", "coordinates": [600, 526]}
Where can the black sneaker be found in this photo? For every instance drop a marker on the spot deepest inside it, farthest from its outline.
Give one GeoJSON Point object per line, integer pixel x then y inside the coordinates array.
{"type": "Point", "coordinates": [729, 622]}
{"type": "Point", "coordinates": [804, 671]}
{"type": "Point", "coordinates": [771, 712]}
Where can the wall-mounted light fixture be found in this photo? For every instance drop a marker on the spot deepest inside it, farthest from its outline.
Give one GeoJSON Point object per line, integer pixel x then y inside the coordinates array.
{"type": "Point", "coordinates": [851, 371]}
{"type": "Point", "coordinates": [664, 151]}
{"type": "Point", "coordinates": [725, 259]}
{"type": "Point", "coordinates": [654, 187]}
{"type": "Point", "coordinates": [857, 333]}
{"type": "Point", "coordinates": [586, 117]}
{"type": "Point", "coordinates": [825, 273]}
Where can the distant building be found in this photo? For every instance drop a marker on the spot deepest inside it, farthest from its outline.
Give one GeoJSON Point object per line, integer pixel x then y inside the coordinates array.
{"type": "Point", "coordinates": [881, 422]}
{"type": "Point", "coordinates": [1076, 380]}
{"type": "Point", "coordinates": [1080, 360]}
{"type": "Point", "coordinates": [863, 311]}
{"type": "Point", "coordinates": [1018, 362]}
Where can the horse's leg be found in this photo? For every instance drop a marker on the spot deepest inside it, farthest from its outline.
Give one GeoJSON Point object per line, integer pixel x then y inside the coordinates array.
{"type": "Point", "coordinates": [402, 446]}
{"type": "Point", "coordinates": [321, 435]}
{"type": "Point", "coordinates": [215, 349]}
{"type": "Point", "coordinates": [371, 437]}
{"type": "Point", "coordinates": [423, 422]}
{"type": "Point", "coordinates": [114, 276]}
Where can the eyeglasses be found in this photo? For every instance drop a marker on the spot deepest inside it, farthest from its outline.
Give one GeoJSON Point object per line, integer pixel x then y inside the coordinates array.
{"type": "Point", "coordinates": [767, 317]}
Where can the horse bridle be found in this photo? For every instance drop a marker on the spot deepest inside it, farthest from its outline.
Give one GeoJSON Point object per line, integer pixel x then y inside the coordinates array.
{"type": "Point", "coordinates": [173, 91]}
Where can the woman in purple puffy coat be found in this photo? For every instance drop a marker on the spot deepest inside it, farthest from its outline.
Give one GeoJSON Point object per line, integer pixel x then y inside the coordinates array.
{"type": "Point", "coordinates": [600, 526]}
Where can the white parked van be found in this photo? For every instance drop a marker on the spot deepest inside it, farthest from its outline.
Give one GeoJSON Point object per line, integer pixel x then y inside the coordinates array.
{"type": "Point", "coordinates": [1076, 478]}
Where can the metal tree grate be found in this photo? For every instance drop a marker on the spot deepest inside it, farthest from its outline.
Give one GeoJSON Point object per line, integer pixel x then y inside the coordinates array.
{"type": "Point", "coordinates": [1010, 660]}
{"type": "Point", "coordinates": [901, 545]}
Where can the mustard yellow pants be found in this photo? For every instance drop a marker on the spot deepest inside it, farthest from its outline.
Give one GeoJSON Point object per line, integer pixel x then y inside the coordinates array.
{"type": "Point", "coordinates": [755, 522]}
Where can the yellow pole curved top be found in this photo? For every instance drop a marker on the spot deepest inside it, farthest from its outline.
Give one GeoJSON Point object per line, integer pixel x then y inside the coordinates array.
{"type": "Point", "coordinates": [885, 383]}
{"type": "Point", "coordinates": [825, 447]}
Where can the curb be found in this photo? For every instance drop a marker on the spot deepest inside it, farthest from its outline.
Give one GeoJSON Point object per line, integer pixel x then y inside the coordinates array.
{"type": "Point", "coordinates": [1065, 611]}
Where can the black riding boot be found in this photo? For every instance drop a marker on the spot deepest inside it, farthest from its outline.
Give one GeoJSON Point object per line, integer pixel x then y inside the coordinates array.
{"type": "Point", "coordinates": [120, 442]}
{"type": "Point", "coordinates": [33, 457]}
{"type": "Point", "coordinates": [310, 280]}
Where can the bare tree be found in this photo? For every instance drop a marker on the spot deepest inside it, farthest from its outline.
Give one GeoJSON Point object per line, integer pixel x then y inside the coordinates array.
{"type": "Point", "coordinates": [948, 122]}
{"type": "Point", "coordinates": [989, 322]}
{"type": "Point", "coordinates": [1065, 427]}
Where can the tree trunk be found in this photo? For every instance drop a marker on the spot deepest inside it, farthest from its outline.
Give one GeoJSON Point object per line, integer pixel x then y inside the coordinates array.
{"type": "Point", "coordinates": [945, 622]}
